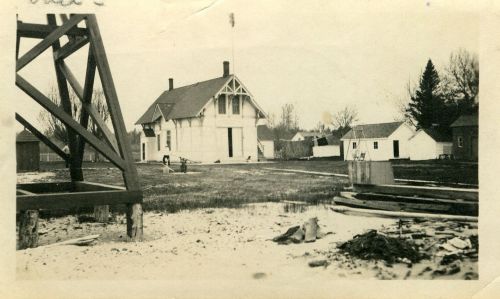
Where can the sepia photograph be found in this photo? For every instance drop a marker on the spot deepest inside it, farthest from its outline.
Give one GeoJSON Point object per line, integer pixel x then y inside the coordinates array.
{"type": "Point", "coordinates": [310, 142]}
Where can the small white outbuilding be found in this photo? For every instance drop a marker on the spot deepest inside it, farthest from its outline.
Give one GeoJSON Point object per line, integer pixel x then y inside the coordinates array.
{"type": "Point", "coordinates": [429, 144]}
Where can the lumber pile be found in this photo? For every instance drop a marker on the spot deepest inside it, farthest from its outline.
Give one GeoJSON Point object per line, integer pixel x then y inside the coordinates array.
{"type": "Point", "coordinates": [403, 198]}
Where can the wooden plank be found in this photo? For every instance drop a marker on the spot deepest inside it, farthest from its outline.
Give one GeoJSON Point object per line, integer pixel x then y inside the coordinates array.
{"type": "Point", "coordinates": [392, 214]}
{"type": "Point", "coordinates": [47, 42]}
{"type": "Point", "coordinates": [24, 192]}
{"type": "Point", "coordinates": [42, 137]}
{"type": "Point", "coordinates": [51, 187]}
{"type": "Point", "coordinates": [391, 197]}
{"type": "Point", "coordinates": [349, 200]}
{"type": "Point", "coordinates": [433, 192]}
{"type": "Point", "coordinates": [89, 108]}
{"type": "Point", "coordinates": [41, 31]}
{"type": "Point", "coordinates": [77, 199]}
{"type": "Point", "coordinates": [70, 48]}
{"type": "Point", "coordinates": [100, 146]}
{"type": "Point", "coordinates": [82, 186]}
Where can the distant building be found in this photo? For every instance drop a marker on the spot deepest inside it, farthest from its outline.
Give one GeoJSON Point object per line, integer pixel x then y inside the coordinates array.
{"type": "Point", "coordinates": [429, 144]}
{"type": "Point", "coordinates": [303, 135]}
{"type": "Point", "coordinates": [27, 152]}
{"type": "Point", "coordinates": [378, 142]}
{"type": "Point", "coordinates": [327, 146]}
{"type": "Point", "coordinates": [465, 132]}
{"type": "Point", "coordinates": [265, 141]}
{"type": "Point", "coordinates": [213, 120]}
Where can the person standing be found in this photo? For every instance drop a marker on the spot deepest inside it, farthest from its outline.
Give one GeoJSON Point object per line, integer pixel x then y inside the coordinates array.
{"type": "Point", "coordinates": [66, 151]}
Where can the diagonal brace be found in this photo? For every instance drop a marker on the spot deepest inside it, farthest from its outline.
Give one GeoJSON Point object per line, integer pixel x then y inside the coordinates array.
{"type": "Point", "coordinates": [69, 121]}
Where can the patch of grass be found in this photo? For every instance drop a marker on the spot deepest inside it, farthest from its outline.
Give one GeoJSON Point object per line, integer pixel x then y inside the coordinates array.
{"type": "Point", "coordinates": [215, 186]}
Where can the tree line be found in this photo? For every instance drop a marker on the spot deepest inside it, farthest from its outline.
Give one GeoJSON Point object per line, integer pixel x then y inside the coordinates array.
{"type": "Point", "coordinates": [440, 98]}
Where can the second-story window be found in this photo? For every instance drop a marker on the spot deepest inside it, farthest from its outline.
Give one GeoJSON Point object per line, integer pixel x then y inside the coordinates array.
{"type": "Point", "coordinates": [236, 104]}
{"type": "Point", "coordinates": [222, 104]}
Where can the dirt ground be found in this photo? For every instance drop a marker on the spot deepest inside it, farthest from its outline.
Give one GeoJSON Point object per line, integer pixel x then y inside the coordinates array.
{"type": "Point", "coordinates": [223, 244]}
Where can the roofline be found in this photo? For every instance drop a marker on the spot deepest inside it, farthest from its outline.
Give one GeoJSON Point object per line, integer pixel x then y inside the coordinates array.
{"type": "Point", "coordinates": [220, 90]}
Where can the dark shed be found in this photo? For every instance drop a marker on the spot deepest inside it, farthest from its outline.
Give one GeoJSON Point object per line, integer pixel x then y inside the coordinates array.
{"type": "Point", "coordinates": [465, 137]}
{"type": "Point", "coordinates": [27, 152]}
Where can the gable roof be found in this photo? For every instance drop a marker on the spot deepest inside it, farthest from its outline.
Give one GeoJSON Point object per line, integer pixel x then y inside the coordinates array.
{"type": "Point", "coordinates": [382, 130]}
{"type": "Point", "coordinates": [264, 133]}
{"type": "Point", "coordinates": [436, 135]}
{"type": "Point", "coordinates": [466, 121]}
{"type": "Point", "coordinates": [183, 102]}
{"type": "Point", "coordinates": [26, 136]}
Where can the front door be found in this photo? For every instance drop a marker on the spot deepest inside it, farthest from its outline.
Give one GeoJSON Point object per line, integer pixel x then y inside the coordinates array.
{"type": "Point", "coordinates": [395, 147]}
{"type": "Point", "coordinates": [143, 151]}
{"type": "Point", "coordinates": [230, 141]}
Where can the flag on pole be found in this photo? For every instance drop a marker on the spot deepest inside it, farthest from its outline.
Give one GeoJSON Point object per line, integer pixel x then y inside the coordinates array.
{"type": "Point", "coordinates": [231, 19]}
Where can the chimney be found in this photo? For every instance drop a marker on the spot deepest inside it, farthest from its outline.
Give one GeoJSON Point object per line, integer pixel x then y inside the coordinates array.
{"type": "Point", "coordinates": [170, 83]}
{"type": "Point", "coordinates": [226, 68]}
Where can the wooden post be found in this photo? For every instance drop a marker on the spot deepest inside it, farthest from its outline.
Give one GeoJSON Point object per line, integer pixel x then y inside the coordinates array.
{"type": "Point", "coordinates": [134, 222]}
{"type": "Point", "coordinates": [28, 229]}
{"type": "Point", "coordinates": [101, 214]}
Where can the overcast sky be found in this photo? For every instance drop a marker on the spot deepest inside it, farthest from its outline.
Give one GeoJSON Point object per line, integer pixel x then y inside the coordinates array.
{"type": "Point", "coordinates": [318, 55]}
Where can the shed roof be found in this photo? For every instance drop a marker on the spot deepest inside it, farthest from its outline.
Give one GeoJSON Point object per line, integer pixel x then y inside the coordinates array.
{"type": "Point", "coordinates": [471, 120]}
{"type": "Point", "coordinates": [26, 136]}
{"type": "Point", "coordinates": [183, 102]}
{"type": "Point", "coordinates": [382, 130]}
{"type": "Point", "coordinates": [264, 133]}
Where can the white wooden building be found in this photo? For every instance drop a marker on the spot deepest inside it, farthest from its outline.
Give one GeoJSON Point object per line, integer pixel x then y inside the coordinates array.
{"type": "Point", "coordinates": [204, 122]}
{"type": "Point", "coordinates": [429, 144]}
{"type": "Point", "coordinates": [302, 135]}
{"type": "Point", "coordinates": [378, 142]}
{"type": "Point", "coordinates": [327, 146]}
{"type": "Point", "coordinates": [265, 142]}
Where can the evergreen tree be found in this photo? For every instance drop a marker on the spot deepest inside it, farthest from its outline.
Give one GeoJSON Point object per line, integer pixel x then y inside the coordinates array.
{"type": "Point", "coordinates": [427, 107]}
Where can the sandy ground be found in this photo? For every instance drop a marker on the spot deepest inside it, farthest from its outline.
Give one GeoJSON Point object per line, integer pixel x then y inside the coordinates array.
{"type": "Point", "coordinates": [228, 244]}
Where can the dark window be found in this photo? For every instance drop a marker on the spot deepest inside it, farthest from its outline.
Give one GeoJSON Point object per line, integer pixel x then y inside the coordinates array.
{"type": "Point", "coordinates": [169, 139]}
{"type": "Point", "coordinates": [222, 104]}
{"type": "Point", "coordinates": [236, 105]}
{"type": "Point", "coordinates": [460, 141]}
{"type": "Point", "coordinates": [375, 144]}
{"type": "Point", "coordinates": [354, 145]}
{"type": "Point", "coordinates": [158, 141]}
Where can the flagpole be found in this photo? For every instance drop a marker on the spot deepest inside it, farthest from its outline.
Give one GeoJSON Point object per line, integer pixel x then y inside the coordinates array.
{"type": "Point", "coordinates": [231, 21]}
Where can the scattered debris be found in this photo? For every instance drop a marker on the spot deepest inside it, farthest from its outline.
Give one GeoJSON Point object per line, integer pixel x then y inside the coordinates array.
{"type": "Point", "coordinates": [308, 232]}
{"type": "Point", "coordinates": [318, 263]}
{"type": "Point", "coordinates": [373, 245]}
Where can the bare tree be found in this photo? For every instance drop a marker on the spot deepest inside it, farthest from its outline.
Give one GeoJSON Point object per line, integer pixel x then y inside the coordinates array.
{"type": "Point", "coordinates": [56, 129]}
{"type": "Point", "coordinates": [289, 119]}
{"type": "Point", "coordinates": [461, 81]}
{"type": "Point", "coordinates": [345, 118]}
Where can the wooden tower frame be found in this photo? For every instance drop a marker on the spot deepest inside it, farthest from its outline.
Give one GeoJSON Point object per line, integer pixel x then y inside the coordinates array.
{"type": "Point", "coordinates": [116, 148]}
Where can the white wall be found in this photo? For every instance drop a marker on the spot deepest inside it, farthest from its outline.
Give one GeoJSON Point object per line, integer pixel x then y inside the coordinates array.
{"type": "Point", "coordinates": [423, 147]}
{"type": "Point", "coordinates": [326, 151]}
{"type": "Point", "coordinates": [384, 150]}
{"type": "Point", "coordinates": [205, 139]}
{"type": "Point", "coordinates": [268, 148]}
